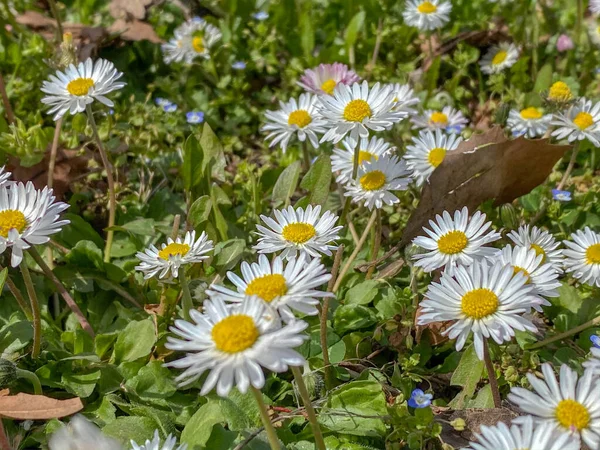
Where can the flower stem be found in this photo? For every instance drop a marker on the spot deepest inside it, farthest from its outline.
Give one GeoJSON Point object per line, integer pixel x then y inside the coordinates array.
{"type": "Point", "coordinates": [17, 294]}
{"type": "Point", "coordinates": [570, 167]}
{"type": "Point", "coordinates": [264, 416]}
{"type": "Point", "coordinates": [112, 201]}
{"type": "Point", "coordinates": [62, 290]}
{"type": "Point", "coordinates": [578, 23]}
{"type": "Point", "coordinates": [535, 39]}
{"type": "Point", "coordinates": [59, 27]}
{"type": "Point", "coordinates": [489, 366]}
{"type": "Point", "coordinates": [560, 336]}
{"type": "Point", "coordinates": [376, 245]}
{"type": "Point", "coordinates": [305, 155]}
{"type": "Point", "coordinates": [310, 411]}
{"type": "Point", "coordinates": [32, 378]}
{"type": "Point", "coordinates": [186, 300]}
{"type": "Point", "coordinates": [35, 307]}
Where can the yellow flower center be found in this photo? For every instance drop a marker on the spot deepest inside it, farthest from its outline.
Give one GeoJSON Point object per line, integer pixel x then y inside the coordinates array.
{"type": "Point", "coordinates": [572, 414]}
{"type": "Point", "coordinates": [427, 8]}
{"type": "Point", "coordinates": [373, 180]}
{"type": "Point", "coordinates": [364, 156]}
{"type": "Point", "coordinates": [438, 118]}
{"type": "Point", "coordinates": [583, 120]}
{"type": "Point", "coordinates": [172, 250]}
{"type": "Point", "coordinates": [452, 242]}
{"type": "Point", "coordinates": [499, 57]}
{"type": "Point", "coordinates": [329, 86]}
{"type": "Point", "coordinates": [80, 86]}
{"type": "Point", "coordinates": [560, 92]}
{"type": "Point", "coordinates": [592, 254]}
{"type": "Point", "coordinates": [300, 117]}
{"type": "Point", "coordinates": [357, 111]}
{"type": "Point", "coordinates": [518, 269]}
{"type": "Point", "coordinates": [539, 251]}
{"type": "Point", "coordinates": [198, 44]}
{"type": "Point", "coordinates": [479, 303]}
{"type": "Point", "coordinates": [436, 156]}
{"type": "Point", "coordinates": [11, 218]}
{"type": "Point", "coordinates": [299, 232]}
{"type": "Point", "coordinates": [268, 287]}
{"type": "Point", "coordinates": [531, 113]}
{"type": "Point", "coordinates": [235, 333]}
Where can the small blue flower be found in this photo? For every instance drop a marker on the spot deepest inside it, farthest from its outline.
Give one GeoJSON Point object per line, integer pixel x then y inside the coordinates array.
{"type": "Point", "coordinates": [197, 19]}
{"type": "Point", "coordinates": [194, 117]}
{"type": "Point", "coordinates": [261, 15]}
{"type": "Point", "coordinates": [454, 129]}
{"type": "Point", "coordinates": [419, 399]}
{"type": "Point", "coordinates": [561, 196]}
{"type": "Point", "coordinates": [111, 111]}
{"type": "Point", "coordinates": [517, 133]}
{"type": "Point", "coordinates": [238, 65]}
{"type": "Point", "coordinates": [162, 101]}
{"type": "Point", "coordinates": [170, 107]}
{"type": "Point", "coordinates": [595, 340]}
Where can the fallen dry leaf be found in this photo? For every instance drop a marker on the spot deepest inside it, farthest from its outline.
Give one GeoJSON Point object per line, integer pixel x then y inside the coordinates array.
{"type": "Point", "coordinates": [486, 167]}
{"type": "Point", "coordinates": [124, 9]}
{"type": "Point", "coordinates": [135, 30]}
{"type": "Point", "coordinates": [37, 407]}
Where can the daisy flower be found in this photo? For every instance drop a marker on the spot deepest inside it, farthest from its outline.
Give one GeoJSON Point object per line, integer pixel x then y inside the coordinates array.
{"type": "Point", "coordinates": [595, 6]}
{"type": "Point", "coordinates": [27, 217]}
{"type": "Point", "coordinates": [428, 152]}
{"type": "Point", "coordinates": [4, 175]}
{"type": "Point", "coordinates": [593, 362]}
{"type": "Point", "coordinates": [427, 15]}
{"type": "Point", "coordinates": [541, 241]}
{"type": "Point", "coordinates": [486, 299]}
{"type": "Point", "coordinates": [571, 405]}
{"type": "Point", "coordinates": [405, 98]}
{"type": "Point", "coordinates": [560, 92]}
{"type": "Point", "coordinates": [80, 434]}
{"type": "Point", "coordinates": [295, 118]}
{"type": "Point", "coordinates": [342, 160]}
{"type": "Point", "coordinates": [325, 77]}
{"type": "Point", "coordinates": [581, 121]}
{"type": "Point", "coordinates": [530, 122]}
{"type": "Point", "coordinates": [376, 180]}
{"type": "Point", "coordinates": [155, 444]}
{"type": "Point", "coordinates": [287, 287]}
{"type": "Point", "coordinates": [191, 40]}
{"type": "Point", "coordinates": [499, 58]}
{"type": "Point", "coordinates": [357, 109]}
{"type": "Point", "coordinates": [297, 230]}
{"type": "Point", "coordinates": [582, 256]}
{"type": "Point", "coordinates": [78, 86]}
{"type": "Point", "coordinates": [460, 240]}
{"type": "Point", "coordinates": [528, 436]}
{"type": "Point", "coordinates": [233, 344]}
{"type": "Point", "coordinates": [448, 119]}
{"type": "Point", "coordinates": [172, 255]}
{"type": "Point", "coordinates": [594, 30]}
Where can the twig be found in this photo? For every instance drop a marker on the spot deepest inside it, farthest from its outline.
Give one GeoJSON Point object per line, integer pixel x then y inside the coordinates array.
{"type": "Point", "coordinates": [353, 232]}
{"type": "Point", "coordinates": [10, 116]}
{"type": "Point", "coordinates": [590, 323]}
{"type": "Point", "coordinates": [14, 290]}
{"type": "Point", "coordinates": [53, 152]}
{"type": "Point", "coordinates": [176, 224]}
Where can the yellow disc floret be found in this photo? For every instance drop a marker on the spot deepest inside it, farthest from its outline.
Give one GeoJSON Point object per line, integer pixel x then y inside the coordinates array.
{"type": "Point", "coordinates": [235, 333]}
{"type": "Point", "coordinates": [328, 86]}
{"type": "Point", "coordinates": [439, 118]}
{"type": "Point", "coordinates": [499, 57]}
{"type": "Point", "coordinates": [268, 287]}
{"type": "Point", "coordinates": [531, 113]}
{"type": "Point", "coordinates": [11, 218]}
{"type": "Point", "coordinates": [80, 86]}
{"type": "Point", "coordinates": [436, 156]}
{"type": "Point", "coordinates": [453, 242]}
{"type": "Point", "coordinates": [518, 269]}
{"type": "Point", "coordinates": [592, 254]}
{"type": "Point", "coordinates": [364, 156]}
{"type": "Point", "coordinates": [583, 120]}
{"type": "Point", "coordinates": [539, 251]}
{"type": "Point", "coordinates": [173, 250]}
{"type": "Point", "coordinates": [427, 8]}
{"type": "Point", "coordinates": [372, 181]}
{"type": "Point", "coordinates": [560, 92]}
{"type": "Point", "coordinates": [198, 44]}
{"type": "Point", "coordinates": [300, 117]}
{"type": "Point", "coordinates": [357, 111]}
{"type": "Point", "coordinates": [298, 232]}
{"type": "Point", "coordinates": [572, 414]}
{"type": "Point", "coordinates": [479, 303]}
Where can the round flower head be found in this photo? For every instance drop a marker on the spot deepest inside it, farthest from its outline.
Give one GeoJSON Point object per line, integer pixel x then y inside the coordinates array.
{"type": "Point", "coordinates": [297, 230]}
{"type": "Point", "coordinates": [194, 117]}
{"type": "Point", "coordinates": [541, 241]}
{"type": "Point", "coordinates": [581, 121]}
{"type": "Point", "coordinates": [405, 98]}
{"type": "Point", "coordinates": [448, 119]}
{"type": "Point", "coordinates": [530, 122]}
{"type": "Point", "coordinates": [155, 444]}
{"type": "Point", "coordinates": [172, 255]}
{"type": "Point", "coordinates": [287, 287]}
{"type": "Point", "coordinates": [427, 15]}
{"type": "Point", "coordinates": [499, 58]}
{"type": "Point", "coordinates": [27, 217]}
{"type": "Point", "coordinates": [419, 399]}
{"type": "Point", "coordinates": [564, 43]}
{"type": "Point", "coordinates": [80, 434]}
{"type": "Point", "coordinates": [428, 152]}
{"type": "Point", "coordinates": [80, 85]}
{"type": "Point", "coordinates": [193, 39]}
{"type": "Point", "coordinates": [342, 160]}
{"type": "Point", "coordinates": [594, 31]}
{"type": "Point", "coordinates": [595, 6]}
{"type": "Point", "coordinates": [4, 175]}
{"type": "Point", "coordinates": [571, 405]}
{"type": "Point", "coordinates": [487, 299]}
{"type": "Point", "coordinates": [560, 92]}
{"type": "Point", "coordinates": [460, 240]}
{"type": "Point", "coordinates": [528, 436]}
{"type": "Point", "coordinates": [582, 256]}
{"type": "Point", "coordinates": [238, 65]}
{"type": "Point", "coordinates": [357, 109]}
{"type": "Point", "coordinates": [561, 196]}
{"type": "Point", "coordinates": [376, 180]}
{"type": "Point", "coordinates": [325, 77]}
{"type": "Point", "coordinates": [300, 118]}
{"type": "Point", "coordinates": [233, 343]}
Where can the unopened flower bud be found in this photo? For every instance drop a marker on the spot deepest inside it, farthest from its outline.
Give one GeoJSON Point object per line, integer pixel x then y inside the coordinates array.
{"type": "Point", "coordinates": [458, 424]}
{"type": "Point", "coordinates": [8, 373]}
{"type": "Point", "coordinates": [508, 215]}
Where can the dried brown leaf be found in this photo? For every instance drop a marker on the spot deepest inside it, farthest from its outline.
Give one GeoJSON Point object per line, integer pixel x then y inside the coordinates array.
{"type": "Point", "coordinates": [122, 9]}
{"type": "Point", "coordinates": [37, 407]}
{"type": "Point", "coordinates": [135, 30]}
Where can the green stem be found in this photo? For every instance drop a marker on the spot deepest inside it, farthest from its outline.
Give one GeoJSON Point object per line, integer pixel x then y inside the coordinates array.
{"type": "Point", "coordinates": [560, 336]}
{"type": "Point", "coordinates": [491, 375]}
{"type": "Point", "coordinates": [59, 27]}
{"type": "Point", "coordinates": [186, 301]}
{"type": "Point", "coordinates": [112, 200]}
{"type": "Point", "coordinates": [376, 245]}
{"type": "Point", "coordinates": [535, 39]}
{"type": "Point", "coordinates": [310, 411]}
{"type": "Point", "coordinates": [578, 23]}
{"type": "Point", "coordinates": [305, 156]}
{"type": "Point", "coordinates": [16, 292]}
{"type": "Point", "coordinates": [266, 420]}
{"type": "Point", "coordinates": [348, 201]}
{"type": "Point", "coordinates": [35, 307]}
{"type": "Point", "coordinates": [32, 378]}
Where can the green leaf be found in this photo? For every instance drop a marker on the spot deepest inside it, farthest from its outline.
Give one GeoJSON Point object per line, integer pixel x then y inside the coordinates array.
{"type": "Point", "coordinates": [467, 375]}
{"type": "Point", "coordinates": [345, 405]}
{"type": "Point", "coordinates": [3, 277]}
{"type": "Point", "coordinates": [79, 230]}
{"type": "Point", "coordinates": [307, 34]}
{"type": "Point", "coordinates": [135, 341]}
{"type": "Point", "coordinates": [154, 381]}
{"type": "Point", "coordinates": [81, 384]}
{"type": "Point", "coordinates": [353, 317]}
{"type": "Point", "coordinates": [318, 180]}
{"type": "Point", "coordinates": [213, 157]}
{"type": "Point", "coordinates": [200, 210]}
{"type": "Point", "coordinates": [141, 226]}
{"type": "Point", "coordinates": [484, 398]}
{"type": "Point", "coordinates": [15, 337]}
{"type": "Point", "coordinates": [131, 428]}
{"type": "Point", "coordinates": [192, 168]}
{"type": "Point", "coordinates": [433, 73]}
{"type": "Point", "coordinates": [199, 428]}
{"type": "Point", "coordinates": [353, 28]}
{"type": "Point", "coordinates": [85, 254]}
{"type": "Point", "coordinates": [362, 294]}
{"type": "Point", "coordinates": [286, 184]}
{"type": "Point", "coordinates": [568, 298]}
{"type": "Point", "coordinates": [228, 253]}
{"type": "Point", "coordinates": [544, 78]}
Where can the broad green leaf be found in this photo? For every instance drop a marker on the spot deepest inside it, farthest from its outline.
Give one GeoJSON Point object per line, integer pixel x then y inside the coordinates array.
{"type": "Point", "coordinates": [484, 398]}
{"type": "Point", "coordinates": [317, 180]}
{"type": "Point", "coordinates": [135, 341]}
{"type": "Point", "coordinates": [353, 317]}
{"type": "Point", "coordinates": [307, 34]}
{"type": "Point", "coordinates": [353, 28]}
{"type": "Point", "coordinates": [141, 226]}
{"type": "Point", "coordinates": [568, 298]}
{"type": "Point", "coordinates": [154, 381]}
{"type": "Point", "coordinates": [286, 184]}
{"type": "Point", "coordinates": [362, 294]}
{"type": "Point", "coordinates": [15, 337]}
{"type": "Point", "coordinates": [192, 168]}
{"type": "Point", "coordinates": [544, 78]}
{"type": "Point", "coordinates": [131, 428]}
{"type": "Point", "coordinates": [3, 277]}
{"type": "Point", "coordinates": [200, 210]}
{"type": "Point", "coordinates": [467, 375]}
{"type": "Point", "coordinates": [79, 230]}
{"type": "Point", "coordinates": [433, 73]}
{"type": "Point", "coordinates": [85, 254]}
{"type": "Point", "coordinates": [81, 384]}
{"type": "Point", "coordinates": [213, 159]}
{"type": "Point", "coordinates": [228, 253]}
{"type": "Point", "coordinates": [199, 428]}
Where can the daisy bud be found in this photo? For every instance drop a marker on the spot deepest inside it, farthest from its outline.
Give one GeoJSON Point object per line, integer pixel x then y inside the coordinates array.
{"type": "Point", "coordinates": [508, 215]}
